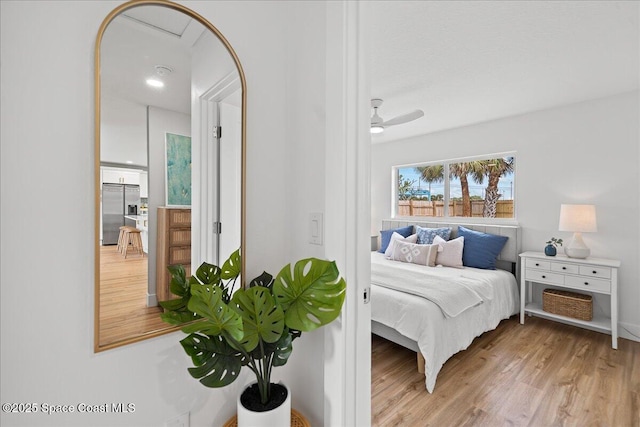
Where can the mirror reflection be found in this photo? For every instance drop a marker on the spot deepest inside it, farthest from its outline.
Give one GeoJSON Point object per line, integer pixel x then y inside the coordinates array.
{"type": "Point", "coordinates": [170, 105]}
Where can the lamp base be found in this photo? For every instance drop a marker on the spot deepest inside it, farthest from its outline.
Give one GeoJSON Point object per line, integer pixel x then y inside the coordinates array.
{"type": "Point", "coordinates": [576, 247]}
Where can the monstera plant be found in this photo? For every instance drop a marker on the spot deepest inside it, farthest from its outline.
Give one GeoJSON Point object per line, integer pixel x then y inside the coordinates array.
{"type": "Point", "coordinates": [253, 326]}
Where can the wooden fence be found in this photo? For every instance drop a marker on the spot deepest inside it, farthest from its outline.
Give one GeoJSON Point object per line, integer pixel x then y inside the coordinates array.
{"type": "Point", "coordinates": [504, 208]}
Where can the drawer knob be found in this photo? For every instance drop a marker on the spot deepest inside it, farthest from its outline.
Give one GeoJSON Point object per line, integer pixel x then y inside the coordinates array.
{"type": "Point", "coordinates": [537, 265]}
{"type": "Point", "coordinates": [586, 283]}
{"type": "Point", "coordinates": [594, 272]}
{"type": "Point", "coordinates": [544, 277]}
{"type": "Point", "coordinates": [564, 268]}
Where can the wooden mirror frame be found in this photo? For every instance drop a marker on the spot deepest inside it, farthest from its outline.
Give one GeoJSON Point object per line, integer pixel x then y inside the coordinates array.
{"type": "Point", "coordinates": [97, 180]}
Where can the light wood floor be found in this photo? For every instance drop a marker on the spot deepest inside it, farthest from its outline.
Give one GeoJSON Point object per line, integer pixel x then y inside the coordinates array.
{"type": "Point", "coordinates": [542, 373]}
{"type": "Point", "coordinates": [123, 297]}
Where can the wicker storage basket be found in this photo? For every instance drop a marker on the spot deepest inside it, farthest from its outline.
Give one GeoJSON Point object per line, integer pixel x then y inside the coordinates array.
{"type": "Point", "coordinates": [297, 420]}
{"type": "Point", "coordinates": [570, 304]}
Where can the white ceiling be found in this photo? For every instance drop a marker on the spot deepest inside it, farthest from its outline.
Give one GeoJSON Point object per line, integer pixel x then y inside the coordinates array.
{"type": "Point", "coordinates": [138, 40]}
{"type": "Point", "coordinates": [465, 62]}
{"type": "Point", "coordinates": [146, 36]}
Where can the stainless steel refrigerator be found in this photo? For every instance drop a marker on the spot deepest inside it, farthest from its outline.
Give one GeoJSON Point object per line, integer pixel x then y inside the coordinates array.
{"type": "Point", "coordinates": [118, 200]}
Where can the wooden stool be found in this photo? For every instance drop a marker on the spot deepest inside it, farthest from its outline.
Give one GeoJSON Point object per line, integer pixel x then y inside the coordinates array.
{"type": "Point", "coordinates": [132, 238]}
{"type": "Point", "coordinates": [121, 239]}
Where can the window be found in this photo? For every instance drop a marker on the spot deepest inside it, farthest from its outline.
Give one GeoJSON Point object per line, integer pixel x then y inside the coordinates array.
{"type": "Point", "coordinates": [480, 187]}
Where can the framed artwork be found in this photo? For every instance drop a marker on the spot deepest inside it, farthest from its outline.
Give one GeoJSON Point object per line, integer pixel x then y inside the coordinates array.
{"type": "Point", "coordinates": [178, 169]}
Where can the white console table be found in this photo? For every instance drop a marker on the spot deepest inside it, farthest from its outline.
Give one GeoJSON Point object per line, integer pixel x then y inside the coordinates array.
{"type": "Point", "coordinates": [592, 275]}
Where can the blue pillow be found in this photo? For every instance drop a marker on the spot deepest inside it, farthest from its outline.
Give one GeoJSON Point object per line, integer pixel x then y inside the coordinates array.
{"type": "Point", "coordinates": [385, 236]}
{"type": "Point", "coordinates": [426, 235]}
{"type": "Point", "coordinates": [481, 249]}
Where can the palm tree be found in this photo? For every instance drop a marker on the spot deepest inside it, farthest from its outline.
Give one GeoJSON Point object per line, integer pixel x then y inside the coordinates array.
{"type": "Point", "coordinates": [493, 170]}
{"type": "Point", "coordinates": [404, 185]}
{"type": "Point", "coordinates": [461, 171]}
{"type": "Point", "coordinates": [432, 173]}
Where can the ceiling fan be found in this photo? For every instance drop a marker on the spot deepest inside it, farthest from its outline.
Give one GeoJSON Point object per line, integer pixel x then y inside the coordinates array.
{"type": "Point", "coordinates": [378, 124]}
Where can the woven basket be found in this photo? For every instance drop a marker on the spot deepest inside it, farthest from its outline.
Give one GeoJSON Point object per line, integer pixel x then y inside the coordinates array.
{"type": "Point", "coordinates": [297, 420]}
{"type": "Point", "coordinates": [570, 304]}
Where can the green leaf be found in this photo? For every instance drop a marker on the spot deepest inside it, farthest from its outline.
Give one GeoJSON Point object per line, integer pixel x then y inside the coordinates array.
{"type": "Point", "coordinates": [178, 317]}
{"type": "Point", "coordinates": [177, 271]}
{"type": "Point", "coordinates": [232, 267]}
{"type": "Point", "coordinates": [265, 280]}
{"type": "Point", "coordinates": [208, 274]}
{"type": "Point", "coordinates": [262, 319]}
{"type": "Point", "coordinates": [206, 301]}
{"type": "Point", "coordinates": [178, 284]}
{"type": "Point", "coordinates": [311, 295]}
{"type": "Point", "coordinates": [283, 350]}
{"type": "Point", "coordinates": [217, 364]}
{"type": "Point", "coordinates": [173, 304]}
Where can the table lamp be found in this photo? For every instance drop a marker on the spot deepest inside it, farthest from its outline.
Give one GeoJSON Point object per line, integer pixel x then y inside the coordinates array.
{"type": "Point", "coordinates": [577, 219]}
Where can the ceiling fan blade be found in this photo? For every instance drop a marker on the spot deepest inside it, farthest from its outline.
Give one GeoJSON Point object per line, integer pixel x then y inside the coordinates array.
{"type": "Point", "coordinates": [404, 118]}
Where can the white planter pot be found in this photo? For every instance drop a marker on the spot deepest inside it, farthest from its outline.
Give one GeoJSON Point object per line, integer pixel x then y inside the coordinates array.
{"type": "Point", "coordinates": [278, 417]}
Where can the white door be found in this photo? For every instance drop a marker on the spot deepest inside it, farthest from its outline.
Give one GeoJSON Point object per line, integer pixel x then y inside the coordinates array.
{"type": "Point", "coordinates": [219, 174]}
{"type": "Point", "coordinates": [209, 192]}
{"type": "Point", "coordinates": [230, 176]}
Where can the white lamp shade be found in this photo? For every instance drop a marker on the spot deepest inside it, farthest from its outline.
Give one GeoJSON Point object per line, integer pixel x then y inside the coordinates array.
{"type": "Point", "coordinates": [578, 218]}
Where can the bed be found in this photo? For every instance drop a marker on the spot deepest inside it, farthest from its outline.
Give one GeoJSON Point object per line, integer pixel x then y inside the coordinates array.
{"type": "Point", "coordinates": [414, 319]}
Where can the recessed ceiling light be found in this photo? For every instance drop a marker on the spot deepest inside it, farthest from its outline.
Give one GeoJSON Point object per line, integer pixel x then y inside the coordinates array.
{"type": "Point", "coordinates": [163, 70]}
{"type": "Point", "coordinates": [129, 162]}
{"type": "Point", "coordinates": [155, 82]}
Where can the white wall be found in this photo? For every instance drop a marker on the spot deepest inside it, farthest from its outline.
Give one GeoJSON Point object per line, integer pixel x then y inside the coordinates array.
{"type": "Point", "coordinates": [123, 131]}
{"type": "Point", "coordinates": [47, 270]}
{"type": "Point", "coordinates": [304, 183]}
{"type": "Point", "coordinates": [580, 153]}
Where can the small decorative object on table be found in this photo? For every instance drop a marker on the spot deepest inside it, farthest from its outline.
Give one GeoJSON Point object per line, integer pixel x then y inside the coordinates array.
{"type": "Point", "coordinates": [550, 249]}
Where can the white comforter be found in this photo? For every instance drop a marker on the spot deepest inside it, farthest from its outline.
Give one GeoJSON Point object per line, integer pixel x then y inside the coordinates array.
{"type": "Point", "coordinates": [421, 320]}
{"type": "Point", "coordinates": [453, 297]}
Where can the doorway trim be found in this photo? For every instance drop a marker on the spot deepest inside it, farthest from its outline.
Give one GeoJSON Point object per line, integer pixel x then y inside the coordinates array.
{"type": "Point", "coordinates": [209, 170]}
{"type": "Point", "coordinates": [347, 363]}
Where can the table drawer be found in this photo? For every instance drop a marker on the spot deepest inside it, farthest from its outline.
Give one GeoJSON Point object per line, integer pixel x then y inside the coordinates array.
{"type": "Point", "coordinates": [179, 217]}
{"type": "Point", "coordinates": [544, 276]}
{"type": "Point", "coordinates": [562, 267]}
{"type": "Point", "coordinates": [588, 284]}
{"type": "Point", "coordinates": [536, 263]}
{"type": "Point", "coordinates": [179, 236]}
{"type": "Point", "coordinates": [179, 255]}
{"type": "Point", "coordinates": [602, 272]}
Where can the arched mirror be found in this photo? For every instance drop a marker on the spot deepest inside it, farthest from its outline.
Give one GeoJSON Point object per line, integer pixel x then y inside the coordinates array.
{"type": "Point", "coordinates": [170, 108]}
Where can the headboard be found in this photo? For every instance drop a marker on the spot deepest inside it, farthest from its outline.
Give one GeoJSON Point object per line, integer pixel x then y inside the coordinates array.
{"type": "Point", "coordinates": [508, 258]}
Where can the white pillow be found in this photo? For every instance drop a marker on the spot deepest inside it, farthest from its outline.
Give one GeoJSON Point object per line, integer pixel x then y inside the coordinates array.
{"type": "Point", "coordinates": [415, 254]}
{"type": "Point", "coordinates": [451, 253]}
{"type": "Point", "coordinates": [397, 236]}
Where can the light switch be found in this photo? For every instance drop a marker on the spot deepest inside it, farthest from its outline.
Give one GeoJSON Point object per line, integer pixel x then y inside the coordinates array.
{"type": "Point", "coordinates": [315, 228]}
